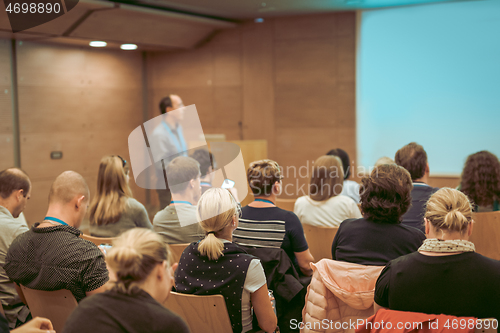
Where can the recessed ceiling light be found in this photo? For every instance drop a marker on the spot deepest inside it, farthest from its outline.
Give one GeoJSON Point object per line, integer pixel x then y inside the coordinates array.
{"type": "Point", "coordinates": [128, 47]}
{"type": "Point", "coordinates": [96, 43]}
{"type": "Point", "coordinates": [259, 20]}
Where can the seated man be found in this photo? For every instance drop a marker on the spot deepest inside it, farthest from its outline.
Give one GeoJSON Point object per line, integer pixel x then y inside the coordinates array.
{"type": "Point", "coordinates": [177, 222]}
{"type": "Point", "coordinates": [262, 224]}
{"type": "Point", "coordinates": [413, 158]}
{"type": "Point", "coordinates": [51, 255]}
{"type": "Point", "coordinates": [15, 188]}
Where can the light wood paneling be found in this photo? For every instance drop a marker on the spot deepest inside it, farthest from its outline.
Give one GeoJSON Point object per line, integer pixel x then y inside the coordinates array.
{"type": "Point", "coordinates": [6, 137]}
{"type": "Point", "coordinates": [444, 181]}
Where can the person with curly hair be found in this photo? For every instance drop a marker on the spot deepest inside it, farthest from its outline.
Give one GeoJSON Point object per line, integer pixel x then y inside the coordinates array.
{"type": "Point", "coordinates": [481, 181]}
{"type": "Point", "coordinates": [379, 236]}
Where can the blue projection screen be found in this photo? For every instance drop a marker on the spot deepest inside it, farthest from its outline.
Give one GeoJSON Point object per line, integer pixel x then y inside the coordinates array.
{"type": "Point", "coordinates": [429, 74]}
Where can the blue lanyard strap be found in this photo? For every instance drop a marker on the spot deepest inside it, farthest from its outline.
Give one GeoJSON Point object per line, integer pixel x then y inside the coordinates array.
{"type": "Point", "coordinates": [205, 184]}
{"type": "Point", "coordinates": [50, 218]}
{"type": "Point", "coordinates": [264, 200]}
{"type": "Point", "coordinates": [178, 141]}
{"type": "Point", "coordinates": [180, 201]}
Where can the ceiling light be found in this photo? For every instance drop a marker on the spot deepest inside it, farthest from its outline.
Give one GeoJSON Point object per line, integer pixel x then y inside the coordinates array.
{"type": "Point", "coordinates": [96, 43]}
{"type": "Point", "coordinates": [128, 47]}
{"type": "Point", "coordinates": [259, 20]}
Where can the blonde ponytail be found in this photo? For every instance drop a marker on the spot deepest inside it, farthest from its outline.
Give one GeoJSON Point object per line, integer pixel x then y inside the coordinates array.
{"type": "Point", "coordinates": [133, 256]}
{"type": "Point", "coordinates": [216, 209]}
{"type": "Point", "coordinates": [449, 209]}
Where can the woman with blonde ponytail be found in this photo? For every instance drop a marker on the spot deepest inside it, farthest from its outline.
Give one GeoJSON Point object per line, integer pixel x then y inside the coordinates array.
{"type": "Point", "coordinates": [215, 265]}
{"type": "Point", "coordinates": [142, 282]}
{"type": "Point", "coordinates": [445, 276]}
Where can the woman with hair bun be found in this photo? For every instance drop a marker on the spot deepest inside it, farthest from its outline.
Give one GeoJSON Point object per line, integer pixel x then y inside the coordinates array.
{"type": "Point", "coordinates": [113, 209]}
{"type": "Point", "coordinates": [215, 265]}
{"type": "Point", "coordinates": [445, 276]}
{"type": "Point", "coordinates": [379, 236]}
{"type": "Point", "coordinates": [143, 280]}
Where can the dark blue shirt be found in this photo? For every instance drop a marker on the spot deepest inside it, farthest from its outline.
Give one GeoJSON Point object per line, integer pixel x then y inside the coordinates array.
{"type": "Point", "coordinates": [414, 217]}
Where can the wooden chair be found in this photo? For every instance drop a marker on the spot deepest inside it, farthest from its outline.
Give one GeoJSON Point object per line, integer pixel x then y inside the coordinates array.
{"type": "Point", "coordinates": [1, 310]}
{"type": "Point", "coordinates": [98, 240]}
{"type": "Point", "coordinates": [55, 305]}
{"type": "Point", "coordinates": [486, 234]}
{"type": "Point", "coordinates": [203, 314]}
{"type": "Point", "coordinates": [320, 241]}
{"type": "Point", "coordinates": [286, 204]}
{"type": "Point", "coordinates": [489, 323]}
{"type": "Point", "coordinates": [176, 251]}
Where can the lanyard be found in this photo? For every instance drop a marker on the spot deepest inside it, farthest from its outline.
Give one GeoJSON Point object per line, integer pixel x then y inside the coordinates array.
{"type": "Point", "coordinates": [50, 218]}
{"type": "Point", "coordinates": [264, 200]}
{"type": "Point", "coordinates": [180, 201]}
{"type": "Point", "coordinates": [178, 141]}
{"type": "Point", "coordinates": [205, 184]}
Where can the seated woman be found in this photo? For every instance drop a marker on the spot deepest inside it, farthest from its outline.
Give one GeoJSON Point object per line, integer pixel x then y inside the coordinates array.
{"type": "Point", "coordinates": [261, 218]}
{"type": "Point", "coordinates": [217, 266]}
{"type": "Point", "coordinates": [350, 188]}
{"type": "Point", "coordinates": [379, 236]}
{"type": "Point", "coordinates": [113, 209]}
{"type": "Point", "coordinates": [324, 206]}
{"type": "Point", "coordinates": [481, 181]}
{"type": "Point", "coordinates": [445, 275]}
{"type": "Point", "coordinates": [141, 284]}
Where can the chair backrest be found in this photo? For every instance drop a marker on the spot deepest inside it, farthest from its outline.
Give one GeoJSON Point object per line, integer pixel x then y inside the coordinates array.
{"type": "Point", "coordinates": [1, 310]}
{"type": "Point", "coordinates": [320, 241]}
{"type": "Point", "coordinates": [203, 314]}
{"type": "Point", "coordinates": [176, 250]}
{"type": "Point", "coordinates": [286, 204]}
{"type": "Point", "coordinates": [55, 305]}
{"type": "Point", "coordinates": [486, 326]}
{"type": "Point", "coordinates": [98, 240]}
{"type": "Point", "coordinates": [486, 234]}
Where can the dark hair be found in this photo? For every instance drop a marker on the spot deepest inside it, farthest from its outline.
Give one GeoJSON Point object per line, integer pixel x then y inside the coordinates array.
{"type": "Point", "coordinates": [481, 178]}
{"type": "Point", "coordinates": [206, 160]}
{"type": "Point", "coordinates": [386, 194]}
{"type": "Point", "coordinates": [413, 158]}
{"type": "Point", "coordinates": [344, 157]}
{"type": "Point", "coordinates": [165, 103]}
{"type": "Point", "coordinates": [13, 179]}
{"type": "Point", "coordinates": [180, 171]}
{"type": "Point", "coordinates": [262, 175]}
{"type": "Point", "coordinates": [327, 178]}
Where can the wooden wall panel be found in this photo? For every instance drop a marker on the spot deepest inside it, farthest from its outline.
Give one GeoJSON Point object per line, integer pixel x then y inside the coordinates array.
{"type": "Point", "coordinates": [290, 81]}
{"type": "Point", "coordinates": [6, 138]}
{"type": "Point", "coordinates": [82, 102]}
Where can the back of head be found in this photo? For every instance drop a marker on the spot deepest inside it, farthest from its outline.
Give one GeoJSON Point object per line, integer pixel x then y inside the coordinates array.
{"type": "Point", "coordinates": [481, 178]}
{"type": "Point", "coordinates": [449, 210]}
{"type": "Point", "coordinates": [206, 160]}
{"type": "Point", "coordinates": [215, 212]}
{"type": "Point", "coordinates": [112, 190]}
{"type": "Point", "coordinates": [13, 179]}
{"type": "Point", "coordinates": [327, 178]}
{"type": "Point", "coordinates": [262, 175]}
{"type": "Point", "coordinates": [386, 194]}
{"type": "Point", "coordinates": [165, 103]}
{"type": "Point", "coordinates": [384, 160]}
{"type": "Point", "coordinates": [344, 157]}
{"type": "Point", "coordinates": [180, 171]}
{"type": "Point", "coordinates": [413, 158]}
{"type": "Point", "coordinates": [133, 256]}
{"type": "Point", "coordinates": [67, 186]}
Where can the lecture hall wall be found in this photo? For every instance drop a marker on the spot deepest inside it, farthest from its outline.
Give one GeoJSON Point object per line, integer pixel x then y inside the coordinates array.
{"type": "Point", "coordinates": [287, 80]}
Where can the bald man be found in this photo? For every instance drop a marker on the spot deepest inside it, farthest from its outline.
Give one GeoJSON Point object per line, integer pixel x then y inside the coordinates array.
{"type": "Point", "coordinates": [51, 255]}
{"type": "Point", "coordinates": [15, 190]}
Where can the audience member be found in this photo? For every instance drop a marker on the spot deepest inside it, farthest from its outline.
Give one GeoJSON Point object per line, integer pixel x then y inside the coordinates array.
{"type": "Point", "coordinates": [413, 158]}
{"type": "Point", "coordinates": [177, 223]}
{"type": "Point", "coordinates": [324, 206]}
{"type": "Point", "coordinates": [139, 259]}
{"type": "Point", "coordinates": [384, 160]}
{"type": "Point", "coordinates": [51, 255]}
{"type": "Point", "coordinates": [445, 276]}
{"type": "Point", "coordinates": [36, 325]}
{"type": "Point", "coordinates": [15, 191]}
{"type": "Point", "coordinates": [262, 224]}
{"type": "Point", "coordinates": [169, 138]}
{"type": "Point", "coordinates": [113, 209]}
{"type": "Point", "coordinates": [380, 236]}
{"type": "Point", "coordinates": [217, 266]}
{"type": "Point", "coordinates": [207, 167]}
{"type": "Point", "coordinates": [350, 188]}
{"type": "Point", "coordinates": [481, 181]}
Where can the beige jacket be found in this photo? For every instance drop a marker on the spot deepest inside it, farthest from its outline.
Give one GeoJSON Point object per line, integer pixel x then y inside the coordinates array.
{"type": "Point", "coordinates": [340, 293]}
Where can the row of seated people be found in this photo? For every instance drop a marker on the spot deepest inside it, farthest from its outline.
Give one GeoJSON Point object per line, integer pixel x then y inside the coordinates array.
{"type": "Point", "coordinates": [265, 182]}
